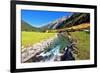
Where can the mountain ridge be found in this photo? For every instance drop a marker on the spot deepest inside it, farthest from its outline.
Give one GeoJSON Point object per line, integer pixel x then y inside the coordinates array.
{"type": "Point", "coordinates": [73, 20]}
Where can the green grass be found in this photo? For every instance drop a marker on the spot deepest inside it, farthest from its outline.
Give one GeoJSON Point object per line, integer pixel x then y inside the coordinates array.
{"type": "Point", "coordinates": [83, 44]}
{"type": "Point", "coordinates": [30, 38]}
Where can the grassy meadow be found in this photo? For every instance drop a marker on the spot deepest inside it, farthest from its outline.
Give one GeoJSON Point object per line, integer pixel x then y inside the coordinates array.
{"type": "Point", "coordinates": [83, 44]}
{"type": "Point", "coordinates": [30, 38]}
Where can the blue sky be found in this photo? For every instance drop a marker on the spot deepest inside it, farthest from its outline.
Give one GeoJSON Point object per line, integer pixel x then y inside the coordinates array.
{"type": "Point", "coordinates": [39, 18]}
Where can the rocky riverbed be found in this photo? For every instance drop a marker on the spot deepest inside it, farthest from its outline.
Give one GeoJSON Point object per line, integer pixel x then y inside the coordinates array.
{"type": "Point", "coordinates": [37, 48]}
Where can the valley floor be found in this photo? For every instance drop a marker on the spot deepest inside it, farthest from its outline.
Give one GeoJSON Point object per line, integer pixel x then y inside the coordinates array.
{"type": "Point", "coordinates": [82, 38]}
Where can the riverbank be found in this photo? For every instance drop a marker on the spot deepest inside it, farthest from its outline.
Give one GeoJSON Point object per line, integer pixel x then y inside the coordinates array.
{"type": "Point", "coordinates": [83, 44]}
{"type": "Point", "coordinates": [31, 51]}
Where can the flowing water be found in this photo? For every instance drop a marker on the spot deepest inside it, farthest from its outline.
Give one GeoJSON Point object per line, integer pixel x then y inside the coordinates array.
{"type": "Point", "coordinates": [53, 53]}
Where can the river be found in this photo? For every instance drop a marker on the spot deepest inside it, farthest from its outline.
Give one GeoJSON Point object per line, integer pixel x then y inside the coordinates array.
{"type": "Point", "coordinates": [58, 51]}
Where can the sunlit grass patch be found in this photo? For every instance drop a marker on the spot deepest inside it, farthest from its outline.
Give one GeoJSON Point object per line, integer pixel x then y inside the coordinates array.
{"type": "Point", "coordinates": [30, 38]}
